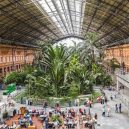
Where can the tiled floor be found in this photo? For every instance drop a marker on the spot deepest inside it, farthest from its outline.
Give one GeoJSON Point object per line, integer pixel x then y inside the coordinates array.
{"type": "Point", "coordinates": [35, 120]}
{"type": "Point", "coordinates": [115, 121]}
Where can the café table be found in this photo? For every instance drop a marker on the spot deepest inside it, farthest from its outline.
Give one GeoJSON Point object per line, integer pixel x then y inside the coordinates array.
{"type": "Point", "coordinates": [3, 126]}
{"type": "Point", "coordinates": [32, 127]}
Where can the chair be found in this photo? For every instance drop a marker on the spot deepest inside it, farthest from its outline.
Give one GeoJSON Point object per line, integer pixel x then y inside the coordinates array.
{"type": "Point", "coordinates": [18, 127]}
{"type": "Point", "coordinates": [32, 127]}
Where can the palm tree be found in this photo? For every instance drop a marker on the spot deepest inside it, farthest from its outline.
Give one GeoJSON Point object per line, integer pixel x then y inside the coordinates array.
{"type": "Point", "coordinates": [30, 84]}
{"type": "Point", "coordinates": [56, 59]}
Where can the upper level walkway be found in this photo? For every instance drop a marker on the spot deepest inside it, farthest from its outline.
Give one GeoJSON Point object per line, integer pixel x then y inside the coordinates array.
{"type": "Point", "coordinates": [123, 79]}
{"type": "Point", "coordinates": [123, 88]}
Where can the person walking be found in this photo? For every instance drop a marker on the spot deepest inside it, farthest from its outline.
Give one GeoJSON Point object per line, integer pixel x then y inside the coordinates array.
{"type": "Point", "coordinates": [120, 107]}
{"type": "Point", "coordinates": [116, 108]}
{"type": "Point", "coordinates": [108, 111]}
{"type": "Point", "coordinates": [69, 102]}
{"type": "Point", "coordinates": [115, 96]}
{"type": "Point", "coordinates": [111, 97]}
{"type": "Point", "coordinates": [105, 99]}
{"type": "Point", "coordinates": [104, 111]}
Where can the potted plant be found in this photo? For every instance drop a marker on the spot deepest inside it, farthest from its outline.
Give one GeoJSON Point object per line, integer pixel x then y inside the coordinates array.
{"type": "Point", "coordinates": [5, 114]}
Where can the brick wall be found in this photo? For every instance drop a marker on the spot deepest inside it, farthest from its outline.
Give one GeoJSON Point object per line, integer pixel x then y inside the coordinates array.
{"type": "Point", "coordinates": [121, 53]}
{"type": "Point", "coordinates": [13, 58]}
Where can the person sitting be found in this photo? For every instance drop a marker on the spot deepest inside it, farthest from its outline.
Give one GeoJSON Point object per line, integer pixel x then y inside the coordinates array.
{"type": "Point", "coordinates": [41, 112]}
{"type": "Point", "coordinates": [22, 122]}
{"type": "Point", "coordinates": [80, 110]}
{"type": "Point", "coordinates": [88, 124]}
{"type": "Point", "coordinates": [84, 111]}
{"type": "Point", "coordinates": [63, 114]}
{"type": "Point", "coordinates": [5, 126]}
{"type": "Point", "coordinates": [56, 124]}
{"type": "Point", "coordinates": [30, 121]}
{"type": "Point", "coordinates": [96, 116]}
{"type": "Point", "coordinates": [33, 111]}
{"type": "Point", "coordinates": [72, 113]}
{"type": "Point", "coordinates": [70, 123]}
{"type": "Point", "coordinates": [14, 125]}
{"type": "Point", "coordinates": [75, 122]}
{"type": "Point", "coordinates": [65, 122]}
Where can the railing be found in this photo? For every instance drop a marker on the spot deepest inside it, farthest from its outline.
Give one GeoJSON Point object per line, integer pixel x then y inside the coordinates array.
{"type": "Point", "coordinates": [121, 72]}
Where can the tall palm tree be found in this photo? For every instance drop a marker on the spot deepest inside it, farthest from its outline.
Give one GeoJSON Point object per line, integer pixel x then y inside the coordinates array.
{"type": "Point", "coordinates": [56, 59]}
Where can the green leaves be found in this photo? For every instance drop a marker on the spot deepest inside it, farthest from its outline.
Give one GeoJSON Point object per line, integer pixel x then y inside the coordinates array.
{"type": "Point", "coordinates": [60, 71]}
{"type": "Point", "coordinates": [15, 77]}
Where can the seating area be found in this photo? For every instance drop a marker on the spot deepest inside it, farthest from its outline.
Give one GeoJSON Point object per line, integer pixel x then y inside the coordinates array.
{"type": "Point", "coordinates": [54, 118]}
{"type": "Point", "coordinates": [64, 64]}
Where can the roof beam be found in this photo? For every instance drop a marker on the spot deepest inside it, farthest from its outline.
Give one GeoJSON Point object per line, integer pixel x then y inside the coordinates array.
{"type": "Point", "coordinates": [120, 42]}
{"type": "Point", "coordinates": [116, 28]}
{"type": "Point", "coordinates": [56, 7]}
{"type": "Point", "coordinates": [120, 5]}
{"type": "Point", "coordinates": [109, 24]}
{"type": "Point", "coordinates": [96, 9]}
{"type": "Point", "coordinates": [54, 14]}
{"type": "Point", "coordinates": [22, 33]}
{"type": "Point", "coordinates": [68, 6]}
{"type": "Point", "coordinates": [70, 36]}
{"type": "Point", "coordinates": [10, 16]}
{"type": "Point", "coordinates": [12, 42]}
{"type": "Point", "coordinates": [22, 8]}
{"type": "Point", "coordinates": [81, 17]}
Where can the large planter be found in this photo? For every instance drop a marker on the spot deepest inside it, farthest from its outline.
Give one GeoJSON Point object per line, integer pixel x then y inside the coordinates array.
{"type": "Point", "coordinates": [5, 114]}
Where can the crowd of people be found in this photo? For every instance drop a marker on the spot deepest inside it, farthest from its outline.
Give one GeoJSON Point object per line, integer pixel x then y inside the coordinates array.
{"type": "Point", "coordinates": [61, 118]}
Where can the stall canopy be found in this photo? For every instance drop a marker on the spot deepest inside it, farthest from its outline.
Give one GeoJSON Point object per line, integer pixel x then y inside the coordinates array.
{"type": "Point", "coordinates": [30, 21]}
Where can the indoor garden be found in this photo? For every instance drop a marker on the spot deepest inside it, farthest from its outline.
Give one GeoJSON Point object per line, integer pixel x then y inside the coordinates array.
{"type": "Point", "coordinates": [63, 72]}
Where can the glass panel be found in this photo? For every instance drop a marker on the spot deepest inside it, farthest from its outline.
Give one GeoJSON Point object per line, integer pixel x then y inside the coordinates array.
{"type": "Point", "coordinates": [66, 14]}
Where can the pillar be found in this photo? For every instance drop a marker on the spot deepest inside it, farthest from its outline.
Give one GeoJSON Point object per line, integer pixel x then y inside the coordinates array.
{"type": "Point", "coordinates": [118, 84]}
{"type": "Point", "coordinates": [3, 71]}
{"type": "Point", "coordinates": [25, 55]}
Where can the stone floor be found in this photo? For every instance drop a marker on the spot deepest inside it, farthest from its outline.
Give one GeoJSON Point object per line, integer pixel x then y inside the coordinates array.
{"type": "Point", "coordinates": [115, 121]}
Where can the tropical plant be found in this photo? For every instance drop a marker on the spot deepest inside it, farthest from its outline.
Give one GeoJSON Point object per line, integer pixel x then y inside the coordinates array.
{"type": "Point", "coordinates": [59, 71]}
{"type": "Point", "coordinates": [114, 64]}
{"type": "Point", "coordinates": [15, 77]}
{"type": "Point", "coordinates": [56, 60]}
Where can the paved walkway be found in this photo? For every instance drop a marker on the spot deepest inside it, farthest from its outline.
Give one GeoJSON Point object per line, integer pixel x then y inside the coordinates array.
{"type": "Point", "coordinates": [116, 120]}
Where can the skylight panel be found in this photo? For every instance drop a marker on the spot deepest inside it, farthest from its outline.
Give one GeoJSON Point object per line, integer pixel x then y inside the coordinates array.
{"type": "Point", "coordinates": [66, 14]}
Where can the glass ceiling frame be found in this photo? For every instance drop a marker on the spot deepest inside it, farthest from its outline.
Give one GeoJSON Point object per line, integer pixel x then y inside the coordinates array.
{"type": "Point", "coordinates": [66, 14]}
{"type": "Point", "coordinates": [30, 21]}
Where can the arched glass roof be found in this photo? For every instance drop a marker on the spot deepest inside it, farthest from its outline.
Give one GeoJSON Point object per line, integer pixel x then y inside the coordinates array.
{"type": "Point", "coordinates": [29, 21]}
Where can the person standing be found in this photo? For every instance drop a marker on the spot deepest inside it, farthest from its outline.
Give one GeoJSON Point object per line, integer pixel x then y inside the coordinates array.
{"type": "Point", "coordinates": [108, 111]}
{"type": "Point", "coordinates": [115, 96]}
{"type": "Point", "coordinates": [120, 107]}
{"type": "Point", "coordinates": [46, 122]}
{"type": "Point", "coordinates": [105, 99]}
{"type": "Point", "coordinates": [104, 111]}
{"type": "Point", "coordinates": [69, 102]}
{"type": "Point", "coordinates": [75, 102]}
{"type": "Point", "coordinates": [78, 102]}
{"type": "Point", "coordinates": [45, 106]}
{"type": "Point", "coordinates": [116, 108]}
{"type": "Point", "coordinates": [111, 97]}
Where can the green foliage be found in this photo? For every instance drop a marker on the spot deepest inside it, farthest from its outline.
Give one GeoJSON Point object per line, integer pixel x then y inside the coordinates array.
{"type": "Point", "coordinates": [74, 90]}
{"type": "Point", "coordinates": [18, 77]}
{"type": "Point", "coordinates": [114, 64]}
{"type": "Point", "coordinates": [15, 77]}
{"type": "Point", "coordinates": [59, 71]}
{"type": "Point", "coordinates": [94, 96]}
{"type": "Point", "coordinates": [57, 118]}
